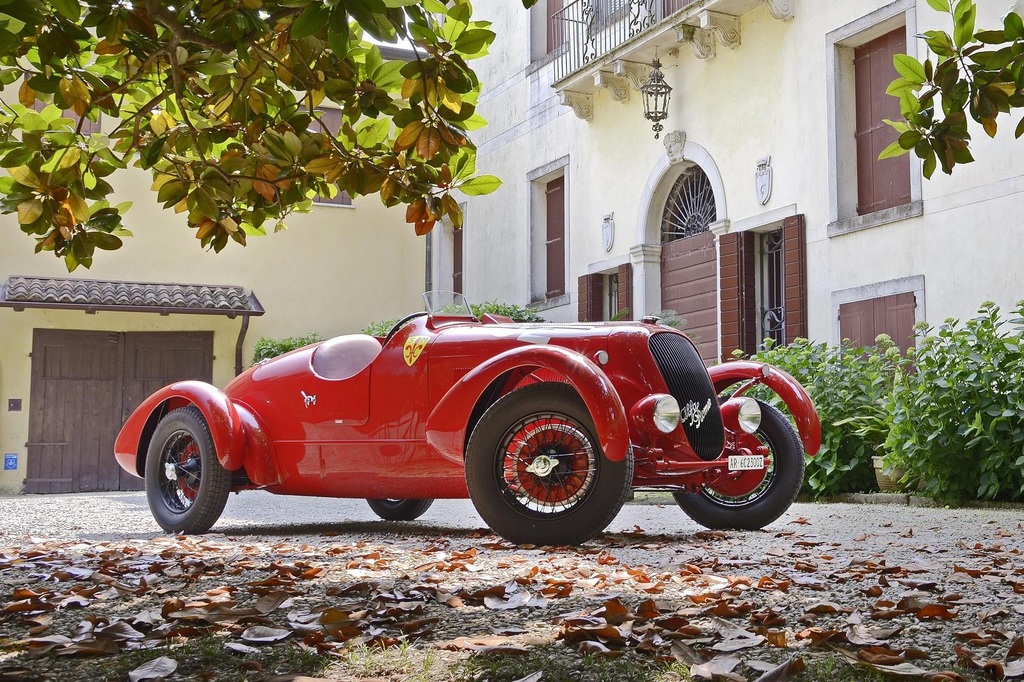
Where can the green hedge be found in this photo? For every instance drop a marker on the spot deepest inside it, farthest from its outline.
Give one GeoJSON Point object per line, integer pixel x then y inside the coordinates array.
{"type": "Point", "coordinates": [956, 424]}
{"type": "Point", "coordinates": [265, 348]}
{"type": "Point", "coordinates": [848, 385]}
{"type": "Point", "coordinates": [950, 413]}
{"type": "Point", "coordinates": [516, 312]}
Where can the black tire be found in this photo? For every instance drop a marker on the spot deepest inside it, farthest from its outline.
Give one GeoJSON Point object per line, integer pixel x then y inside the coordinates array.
{"type": "Point", "coordinates": [574, 494]}
{"type": "Point", "coordinates": [769, 500]}
{"type": "Point", "coordinates": [399, 510]}
{"type": "Point", "coordinates": [186, 486]}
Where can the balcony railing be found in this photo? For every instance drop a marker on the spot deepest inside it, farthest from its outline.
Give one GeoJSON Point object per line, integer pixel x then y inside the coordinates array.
{"type": "Point", "coordinates": [586, 30]}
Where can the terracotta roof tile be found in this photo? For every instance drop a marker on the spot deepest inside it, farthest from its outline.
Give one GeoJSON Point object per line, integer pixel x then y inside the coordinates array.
{"type": "Point", "coordinates": [22, 291]}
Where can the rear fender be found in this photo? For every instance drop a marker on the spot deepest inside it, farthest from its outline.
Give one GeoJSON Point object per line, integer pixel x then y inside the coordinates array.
{"type": "Point", "coordinates": [800, 405]}
{"type": "Point", "coordinates": [449, 421]}
{"type": "Point", "coordinates": [218, 411]}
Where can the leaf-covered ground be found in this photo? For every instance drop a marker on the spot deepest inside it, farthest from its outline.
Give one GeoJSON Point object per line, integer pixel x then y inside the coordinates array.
{"type": "Point", "coordinates": [808, 598]}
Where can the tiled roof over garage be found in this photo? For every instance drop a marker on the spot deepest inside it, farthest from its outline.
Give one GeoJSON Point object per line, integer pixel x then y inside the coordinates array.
{"type": "Point", "coordinates": [21, 292]}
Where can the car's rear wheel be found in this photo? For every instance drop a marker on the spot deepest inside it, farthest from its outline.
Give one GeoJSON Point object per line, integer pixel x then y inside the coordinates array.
{"type": "Point", "coordinates": [399, 510]}
{"type": "Point", "coordinates": [186, 486]}
{"type": "Point", "coordinates": [536, 472]}
{"type": "Point", "coordinates": [753, 499]}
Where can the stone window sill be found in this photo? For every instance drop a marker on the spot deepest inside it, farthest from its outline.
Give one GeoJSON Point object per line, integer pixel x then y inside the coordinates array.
{"type": "Point", "coordinates": [876, 219]}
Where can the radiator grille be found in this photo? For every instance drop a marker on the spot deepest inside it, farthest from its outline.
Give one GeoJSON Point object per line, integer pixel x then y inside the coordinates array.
{"type": "Point", "coordinates": [688, 382]}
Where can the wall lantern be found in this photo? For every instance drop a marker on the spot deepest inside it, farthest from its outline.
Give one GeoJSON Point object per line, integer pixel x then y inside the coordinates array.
{"type": "Point", "coordinates": [656, 93]}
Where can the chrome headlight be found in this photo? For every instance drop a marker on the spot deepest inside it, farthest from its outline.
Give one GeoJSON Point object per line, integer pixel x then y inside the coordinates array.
{"type": "Point", "coordinates": [666, 414]}
{"type": "Point", "coordinates": [749, 415]}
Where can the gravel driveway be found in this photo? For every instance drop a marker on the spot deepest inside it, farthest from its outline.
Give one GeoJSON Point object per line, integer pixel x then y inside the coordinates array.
{"type": "Point", "coordinates": [933, 579]}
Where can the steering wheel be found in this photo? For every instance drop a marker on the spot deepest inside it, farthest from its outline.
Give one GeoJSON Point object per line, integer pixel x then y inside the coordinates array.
{"type": "Point", "coordinates": [401, 323]}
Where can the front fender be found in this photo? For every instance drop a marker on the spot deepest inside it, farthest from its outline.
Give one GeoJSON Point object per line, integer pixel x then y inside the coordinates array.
{"type": "Point", "coordinates": [448, 421]}
{"type": "Point", "coordinates": [785, 386]}
{"type": "Point", "coordinates": [218, 411]}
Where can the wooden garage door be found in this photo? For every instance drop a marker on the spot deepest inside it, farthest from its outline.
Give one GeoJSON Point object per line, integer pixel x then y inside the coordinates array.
{"type": "Point", "coordinates": [84, 385]}
{"type": "Point", "coordinates": [689, 286]}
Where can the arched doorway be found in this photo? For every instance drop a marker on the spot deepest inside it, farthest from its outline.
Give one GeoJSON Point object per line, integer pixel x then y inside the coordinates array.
{"type": "Point", "coordinates": [689, 267]}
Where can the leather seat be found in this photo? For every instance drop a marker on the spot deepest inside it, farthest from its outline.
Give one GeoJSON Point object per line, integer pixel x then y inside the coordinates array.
{"type": "Point", "coordinates": [345, 356]}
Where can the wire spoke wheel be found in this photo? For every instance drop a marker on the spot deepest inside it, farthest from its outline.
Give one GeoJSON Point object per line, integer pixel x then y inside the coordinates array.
{"type": "Point", "coordinates": [548, 464]}
{"type": "Point", "coordinates": [753, 499]}
{"type": "Point", "coordinates": [186, 486]}
{"type": "Point", "coordinates": [536, 472]}
{"type": "Point", "coordinates": [180, 470]}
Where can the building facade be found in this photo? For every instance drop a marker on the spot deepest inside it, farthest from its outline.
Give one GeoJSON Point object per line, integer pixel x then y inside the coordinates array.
{"type": "Point", "coordinates": [79, 351]}
{"type": "Point", "coordinates": [762, 209]}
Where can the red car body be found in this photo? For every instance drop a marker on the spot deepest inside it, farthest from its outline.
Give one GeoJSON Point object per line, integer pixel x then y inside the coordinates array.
{"type": "Point", "coordinates": [361, 417]}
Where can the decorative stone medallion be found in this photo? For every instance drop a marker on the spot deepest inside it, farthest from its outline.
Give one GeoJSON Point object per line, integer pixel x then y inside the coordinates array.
{"type": "Point", "coordinates": [763, 180]}
{"type": "Point", "coordinates": [608, 231]}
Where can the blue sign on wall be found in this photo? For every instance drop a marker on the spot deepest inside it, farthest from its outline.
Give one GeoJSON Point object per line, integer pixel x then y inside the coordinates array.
{"type": "Point", "coordinates": [11, 461]}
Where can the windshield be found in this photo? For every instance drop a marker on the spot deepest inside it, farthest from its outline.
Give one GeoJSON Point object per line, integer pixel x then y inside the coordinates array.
{"type": "Point", "coordinates": [448, 304]}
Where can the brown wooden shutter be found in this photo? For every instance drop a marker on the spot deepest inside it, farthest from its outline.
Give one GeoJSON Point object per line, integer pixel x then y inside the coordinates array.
{"type": "Point", "coordinates": [555, 244]}
{"type": "Point", "coordinates": [862, 321]}
{"type": "Point", "coordinates": [794, 248]}
{"type": "Point", "coordinates": [626, 290]}
{"type": "Point", "coordinates": [556, 28]}
{"type": "Point", "coordinates": [591, 298]}
{"type": "Point", "coordinates": [739, 303]}
{"type": "Point", "coordinates": [880, 184]}
{"type": "Point", "coordinates": [457, 261]}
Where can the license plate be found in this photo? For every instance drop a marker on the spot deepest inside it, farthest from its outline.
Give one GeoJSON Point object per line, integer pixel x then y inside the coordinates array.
{"type": "Point", "coordinates": [745, 462]}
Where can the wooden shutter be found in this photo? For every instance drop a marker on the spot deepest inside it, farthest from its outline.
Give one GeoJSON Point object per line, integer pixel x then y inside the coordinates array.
{"type": "Point", "coordinates": [457, 261]}
{"type": "Point", "coordinates": [591, 298]}
{"type": "Point", "coordinates": [862, 321]}
{"type": "Point", "coordinates": [794, 254]}
{"type": "Point", "coordinates": [626, 290]}
{"type": "Point", "coordinates": [880, 184]}
{"type": "Point", "coordinates": [555, 251]}
{"type": "Point", "coordinates": [556, 27]}
{"type": "Point", "coordinates": [739, 303]}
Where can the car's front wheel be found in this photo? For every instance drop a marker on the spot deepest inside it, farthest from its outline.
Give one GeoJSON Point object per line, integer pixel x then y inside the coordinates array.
{"type": "Point", "coordinates": [536, 472]}
{"type": "Point", "coordinates": [399, 510]}
{"type": "Point", "coordinates": [753, 499]}
{"type": "Point", "coordinates": [186, 486]}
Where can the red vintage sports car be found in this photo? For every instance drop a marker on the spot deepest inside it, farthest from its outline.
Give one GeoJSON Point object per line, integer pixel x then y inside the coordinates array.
{"type": "Point", "coordinates": [546, 427]}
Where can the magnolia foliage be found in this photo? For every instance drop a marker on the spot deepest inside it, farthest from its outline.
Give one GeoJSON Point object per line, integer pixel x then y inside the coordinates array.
{"type": "Point", "coordinates": [226, 103]}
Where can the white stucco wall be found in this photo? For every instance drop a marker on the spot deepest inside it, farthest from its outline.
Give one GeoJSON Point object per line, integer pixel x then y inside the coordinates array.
{"type": "Point", "coordinates": [768, 96]}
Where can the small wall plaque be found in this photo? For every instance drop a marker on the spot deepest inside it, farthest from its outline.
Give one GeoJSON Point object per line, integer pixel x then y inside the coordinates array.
{"type": "Point", "coordinates": [11, 461]}
{"type": "Point", "coordinates": [763, 180]}
{"type": "Point", "coordinates": [14, 404]}
{"type": "Point", "coordinates": [608, 231]}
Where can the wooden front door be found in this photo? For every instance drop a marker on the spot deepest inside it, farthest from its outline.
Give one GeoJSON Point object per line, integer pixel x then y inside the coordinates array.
{"type": "Point", "coordinates": [84, 385]}
{"type": "Point", "coordinates": [689, 286]}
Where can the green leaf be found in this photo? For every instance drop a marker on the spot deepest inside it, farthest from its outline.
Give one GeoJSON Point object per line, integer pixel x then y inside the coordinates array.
{"type": "Point", "coordinates": [939, 5]}
{"type": "Point", "coordinates": [474, 41]}
{"type": "Point", "coordinates": [482, 184]}
{"type": "Point", "coordinates": [963, 30]}
{"type": "Point", "coordinates": [892, 150]}
{"type": "Point", "coordinates": [312, 19]}
{"type": "Point", "coordinates": [909, 68]}
{"type": "Point", "coordinates": [1020, 129]}
{"type": "Point", "coordinates": [70, 9]}
{"type": "Point", "coordinates": [1013, 25]}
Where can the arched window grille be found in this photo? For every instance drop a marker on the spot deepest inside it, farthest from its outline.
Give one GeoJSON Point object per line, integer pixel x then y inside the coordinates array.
{"type": "Point", "coordinates": [690, 208]}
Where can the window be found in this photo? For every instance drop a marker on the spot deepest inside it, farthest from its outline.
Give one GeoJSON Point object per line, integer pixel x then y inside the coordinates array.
{"type": "Point", "coordinates": [555, 24]}
{"type": "Point", "coordinates": [863, 191]}
{"type": "Point", "coordinates": [606, 295]}
{"type": "Point", "coordinates": [548, 238]}
{"type": "Point", "coordinates": [886, 183]}
{"type": "Point", "coordinates": [329, 123]}
{"type": "Point", "coordinates": [457, 261]}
